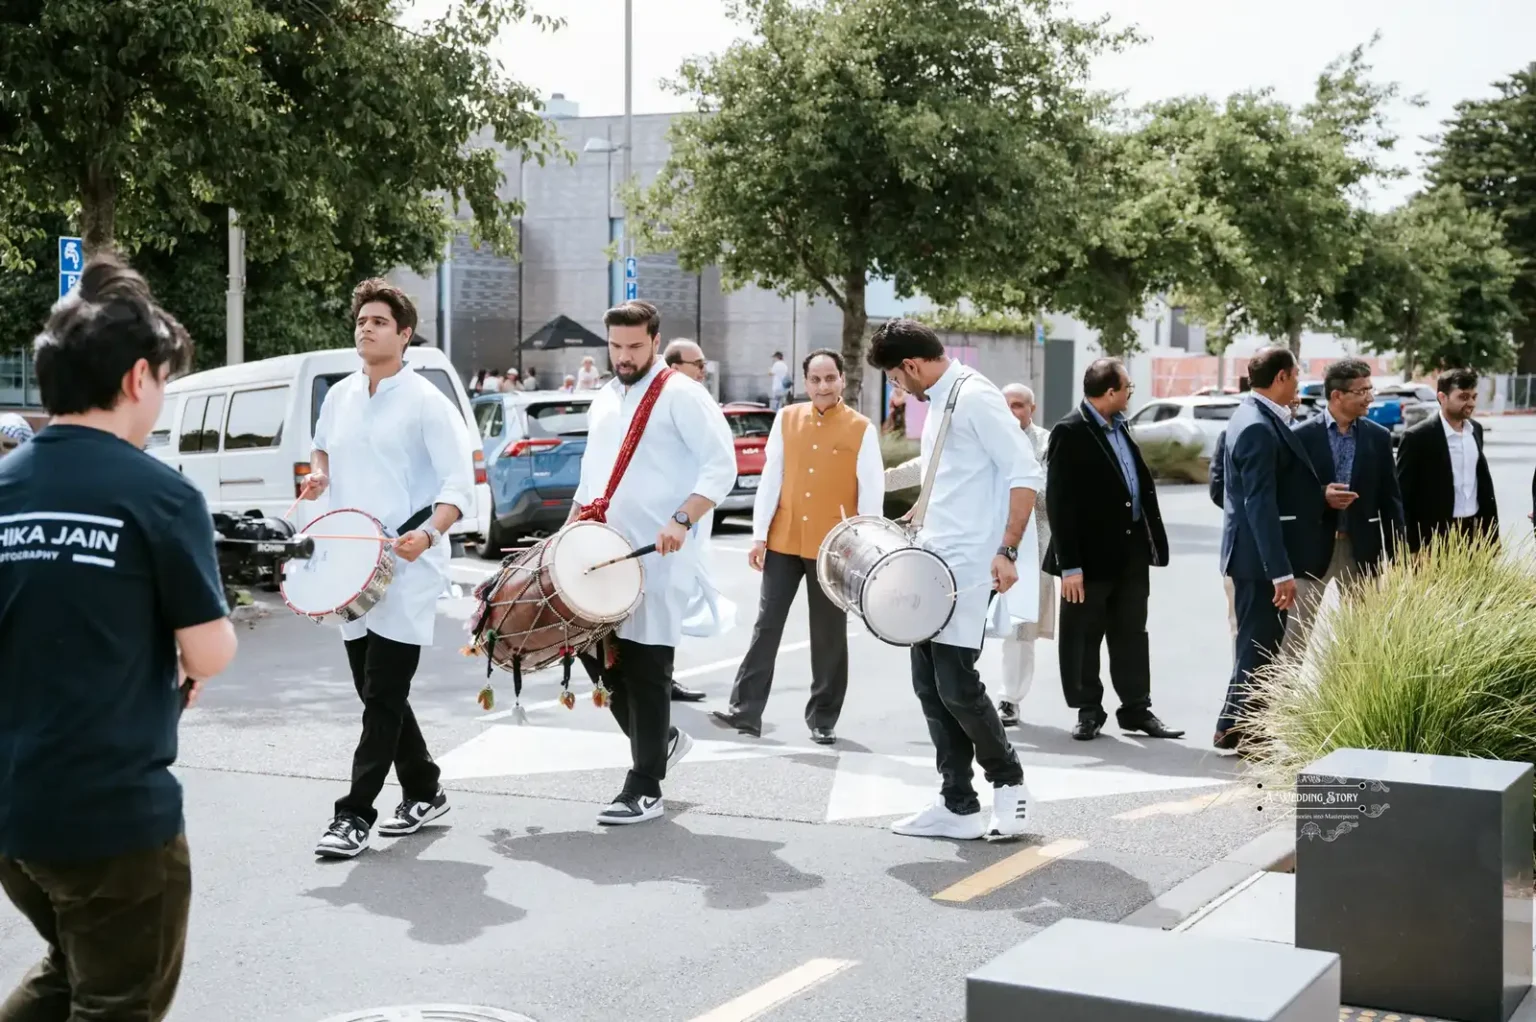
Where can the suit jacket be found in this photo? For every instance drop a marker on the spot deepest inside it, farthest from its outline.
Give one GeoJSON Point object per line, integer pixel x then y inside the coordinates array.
{"type": "Point", "coordinates": [1218, 477]}
{"type": "Point", "coordinates": [1375, 520]}
{"type": "Point", "coordinates": [1272, 500]}
{"type": "Point", "coordinates": [1088, 504]}
{"type": "Point", "coordinates": [1428, 483]}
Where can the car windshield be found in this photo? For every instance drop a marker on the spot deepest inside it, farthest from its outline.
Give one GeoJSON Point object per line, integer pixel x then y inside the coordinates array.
{"type": "Point", "coordinates": [744, 424]}
{"type": "Point", "coordinates": [1222, 411]}
{"type": "Point", "coordinates": [557, 418]}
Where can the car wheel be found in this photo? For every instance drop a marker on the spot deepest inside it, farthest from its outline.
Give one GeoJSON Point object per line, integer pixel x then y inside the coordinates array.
{"type": "Point", "coordinates": [494, 541]}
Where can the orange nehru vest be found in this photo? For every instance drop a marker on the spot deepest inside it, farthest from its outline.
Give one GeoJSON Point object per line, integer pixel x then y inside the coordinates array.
{"type": "Point", "coordinates": [821, 457]}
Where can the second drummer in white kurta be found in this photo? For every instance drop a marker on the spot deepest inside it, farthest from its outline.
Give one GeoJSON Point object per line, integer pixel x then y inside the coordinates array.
{"type": "Point", "coordinates": [982, 499]}
{"type": "Point", "coordinates": [683, 465]}
{"type": "Point", "coordinates": [389, 443]}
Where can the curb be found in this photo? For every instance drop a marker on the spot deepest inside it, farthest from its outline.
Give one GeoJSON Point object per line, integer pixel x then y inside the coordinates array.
{"type": "Point", "coordinates": [1274, 851]}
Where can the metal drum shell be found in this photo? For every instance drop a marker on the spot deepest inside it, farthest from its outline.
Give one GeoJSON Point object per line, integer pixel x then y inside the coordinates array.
{"type": "Point", "coordinates": [832, 557]}
{"type": "Point", "coordinates": [887, 559]}
{"type": "Point", "coordinates": [374, 591]}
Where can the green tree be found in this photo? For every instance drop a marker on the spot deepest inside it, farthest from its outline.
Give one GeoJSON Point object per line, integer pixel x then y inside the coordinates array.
{"type": "Point", "coordinates": [1489, 152]}
{"type": "Point", "coordinates": [1434, 284]}
{"type": "Point", "coordinates": [923, 141]}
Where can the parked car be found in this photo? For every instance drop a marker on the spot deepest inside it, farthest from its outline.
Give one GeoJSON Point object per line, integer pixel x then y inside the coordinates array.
{"type": "Point", "coordinates": [244, 433]}
{"type": "Point", "coordinates": [533, 443]}
{"type": "Point", "coordinates": [1184, 419]}
{"type": "Point", "coordinates": [1400, 405]}
{"type": "Point", "coordinates": [750, 424]}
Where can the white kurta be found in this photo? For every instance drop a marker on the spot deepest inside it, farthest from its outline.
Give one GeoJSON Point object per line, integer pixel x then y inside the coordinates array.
{"type": "Point", "coordinates": [392, 454]}
{"type": "Point", "coordinates": [709, 612]}
{"type": "Point", "coordinates": [868, 469]}
{"type": "Point", "coordinates": [686, 449]}
{"type": "Point", "coordinates": [985, 456]}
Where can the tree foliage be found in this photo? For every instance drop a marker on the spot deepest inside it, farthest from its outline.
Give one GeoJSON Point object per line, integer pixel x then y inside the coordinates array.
{"type": "Point", "coordinates": [924, 141]}
{"type": "Point", "coordinates": [1489, 152]}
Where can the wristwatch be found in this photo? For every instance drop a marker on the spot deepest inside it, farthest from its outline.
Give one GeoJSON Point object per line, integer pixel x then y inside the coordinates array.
{"type": "Point", "coordinates": [1010, 552]}
{"type": "Point", "coordinates": [432, 535]}
{"type": "Point", "coordinates": [681, 518]}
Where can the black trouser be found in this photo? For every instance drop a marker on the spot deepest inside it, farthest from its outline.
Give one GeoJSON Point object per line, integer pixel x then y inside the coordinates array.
{"type": "Point", "coordinates": [116, 930]}
{"type": "Point", "coordinates": [829, 644]}
{"type": "Point", "coordinates": [1114, 610]}
{"type": "Point", "coordinates": [640, 686]}
{"type": "Point", "coordinates": [382, 670]}
{"type": "Point", "coordinates": [1260, 631]}
{"type": "Point", "coordinates": [963, 724]}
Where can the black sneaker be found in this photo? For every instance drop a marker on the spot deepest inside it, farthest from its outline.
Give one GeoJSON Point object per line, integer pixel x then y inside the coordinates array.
{"type": "Point", "coordinates": [1009, 713]}
{"type": "Point", "coordinates": [344, 839]}
{"type": "Point", "coordinates": [629, 808]}
{"type": "Point", "coordinates": [412, 816]}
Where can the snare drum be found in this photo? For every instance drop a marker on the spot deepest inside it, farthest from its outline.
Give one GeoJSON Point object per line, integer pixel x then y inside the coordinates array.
{"type": "Point", "coordinates": [543, 603]}
{"type": "Point", "coordinates": [870, 567]}
{"type": "Point", "coordinates": [345, 577]}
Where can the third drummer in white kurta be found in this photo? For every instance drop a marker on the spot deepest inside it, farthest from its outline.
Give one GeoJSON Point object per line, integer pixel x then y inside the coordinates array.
{"type": "Point", "coordinates": [982, 499]}
{"type": "Point", "coordinates": [683, 465]}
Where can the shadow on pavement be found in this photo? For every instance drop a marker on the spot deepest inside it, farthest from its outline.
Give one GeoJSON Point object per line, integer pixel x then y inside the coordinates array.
{"type": "Point", "coordinates": [1065, 888]}
{"type": "Point", "coordinates": [735, 873]}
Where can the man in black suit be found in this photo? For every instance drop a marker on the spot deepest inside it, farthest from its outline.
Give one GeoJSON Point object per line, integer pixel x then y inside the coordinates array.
{"type": "Point", "coordinates": [1441, 469]}
{"type": "Point", "coordinates": [1110, 533]}
{"type": "Point", "coordinates": [1272, 511]}
{"type": "Point", "coordinates": [1363, 517]}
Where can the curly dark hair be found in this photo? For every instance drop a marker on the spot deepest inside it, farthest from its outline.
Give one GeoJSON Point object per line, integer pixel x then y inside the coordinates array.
{"type": "Point", "coordinates": [400, 305]}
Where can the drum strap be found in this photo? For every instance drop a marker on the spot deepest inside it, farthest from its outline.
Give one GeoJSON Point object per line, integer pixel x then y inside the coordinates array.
{"type": "Point", "coordinates": [920, 509]}
{"type": "Point", "coordinates": [597, 511]}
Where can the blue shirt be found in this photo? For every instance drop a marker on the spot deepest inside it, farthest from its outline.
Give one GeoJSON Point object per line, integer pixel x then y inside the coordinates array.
{"type": "Point", "coordinates": [1119, 442]}
{"type": "Point", "coordinates": [104, 554]}
{"type": "Point", "coordinates": [1343, 447]}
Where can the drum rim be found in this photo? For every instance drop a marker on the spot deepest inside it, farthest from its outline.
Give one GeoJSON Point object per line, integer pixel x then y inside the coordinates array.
{"type": "Point", "coordinates": [282, 588]}
{"type": "Point", "coordinates": [873, 568]}
{"type": "Point", "coordinates": [549, 542]}
{"type": "Point", "coordinates": [823, 552]}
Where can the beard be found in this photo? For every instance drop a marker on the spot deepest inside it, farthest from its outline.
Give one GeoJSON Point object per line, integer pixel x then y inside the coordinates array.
{"type": "Point", "coordinates": [635, 375]}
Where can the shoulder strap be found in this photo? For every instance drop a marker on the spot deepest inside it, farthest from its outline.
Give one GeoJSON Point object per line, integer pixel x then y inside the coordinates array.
{"type": "Point", "coordinates": [598, 509]}
{"type": "Point", "coordinates": [920, 509]}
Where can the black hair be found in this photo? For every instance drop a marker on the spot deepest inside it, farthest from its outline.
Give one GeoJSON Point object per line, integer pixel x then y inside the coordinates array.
{"type": "Point", "coordinates": [1456, 379]}
{"type": "Point", "coordinates": [1340, 374]}
{"type": "Point", "coordinates": [1268, 363]}
{"type": "Point", "coordinates": [1102, 376]}
{"type": "Point", "coordinates": [900, 339]}
{"type": "Point", "coordinates": [377, 289]}
{"type": "Point", "coordinates": [635, 313]}
{"type": "Point", "coordinates": [837, 360]}
{"type": "Point", "coordinates": [96, 335]}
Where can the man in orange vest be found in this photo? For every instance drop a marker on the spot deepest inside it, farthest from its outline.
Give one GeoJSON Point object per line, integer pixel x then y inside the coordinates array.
{"type": "Point", "coordinates": [822, 461]}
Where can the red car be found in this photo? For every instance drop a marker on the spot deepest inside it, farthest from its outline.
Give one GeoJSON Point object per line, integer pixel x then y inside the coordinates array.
{"type": "Point", "coordinates": [749, 424]}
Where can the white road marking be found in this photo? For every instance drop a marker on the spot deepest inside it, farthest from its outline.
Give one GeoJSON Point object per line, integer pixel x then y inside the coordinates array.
{"type": "Point", "coordinates": [507, 750]}
{"type": "Point", "coordinates": [756, 1003]}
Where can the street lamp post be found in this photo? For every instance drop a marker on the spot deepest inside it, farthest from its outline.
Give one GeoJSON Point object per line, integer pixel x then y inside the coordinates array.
{"type": "Point", "coordinates": [629, 90]}
{"type": "Point", "coordinates": [234, 304]}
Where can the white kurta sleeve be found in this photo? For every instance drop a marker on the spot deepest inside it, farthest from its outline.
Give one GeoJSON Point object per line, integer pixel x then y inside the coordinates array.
{"type": "Point", "coordinates": [588, 486]}
{"type": "Point", "coordinates": [442, 428]}
{"type": "Point", "coordinates": [323, 425]}
{"type": "Point", "coordinates": [770, 485]}
{"type": "Point", "coordinates": [1005, 443]}
{"type": "Point", "coordinates": [870, 470]}
{"type": "Point", "coordinates": [708, 438]}
{"type": "Point", "coordinates": [904, 476]}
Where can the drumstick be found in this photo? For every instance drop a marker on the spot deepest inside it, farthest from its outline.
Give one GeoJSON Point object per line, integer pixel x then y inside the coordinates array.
{"type": "Point", "coordinates": [294, 506]}
{"type": "Point", "coordinates": [638, 553]}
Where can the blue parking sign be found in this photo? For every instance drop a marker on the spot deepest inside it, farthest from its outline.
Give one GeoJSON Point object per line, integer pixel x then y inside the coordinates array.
{"type": "Point", "coordinates": [631, 290]}
{"type": "Point", "coordinates": [67, 283]}
{"type": "Point", "coordinates": [71, 263]}
{"type": "Point", "coordinates": [631, 268]}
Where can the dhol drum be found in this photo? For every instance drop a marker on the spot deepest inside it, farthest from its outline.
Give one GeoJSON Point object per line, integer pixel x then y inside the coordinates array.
{"type": "Point", "coordinates": [546, 602]}
{"type": "Point", "coordinates": [346, 577]}
{"type": "Point", "coordinates": [869, 566]}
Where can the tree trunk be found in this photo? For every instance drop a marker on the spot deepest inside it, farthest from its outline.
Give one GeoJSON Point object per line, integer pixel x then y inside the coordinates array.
{"type": "Point", "coordinates": [855, 320]}
{"type": "Point", "coordinates": [1295, 341]}
{"type": "Point", "coordinates": [98, 210]}
{"type": "Point", "coordinates": [1410, 342]}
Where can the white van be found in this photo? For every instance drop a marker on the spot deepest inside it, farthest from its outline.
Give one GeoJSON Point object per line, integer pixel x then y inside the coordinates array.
{"type": "Point", "coordinates": [243, 433]}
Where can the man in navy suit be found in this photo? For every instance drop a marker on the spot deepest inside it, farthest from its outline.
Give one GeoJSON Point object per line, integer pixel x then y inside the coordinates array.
{"type": "Point", "coordinates": [1352, 455]}
{"type": "Point", "coordinates": [1273, 509]}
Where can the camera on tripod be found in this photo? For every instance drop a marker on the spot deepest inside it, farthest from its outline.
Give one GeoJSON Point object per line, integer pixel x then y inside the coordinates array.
{"type": "Point", "coordinates": [252, 548]}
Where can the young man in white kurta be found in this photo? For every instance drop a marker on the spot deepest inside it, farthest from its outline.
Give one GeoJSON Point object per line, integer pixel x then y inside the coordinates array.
{"type": "Point", "coordinates": [393, 446]}
{"type": "Point", "coordinates": [684, 465]}
{"type": "Point", "coordinates": [982, 499]}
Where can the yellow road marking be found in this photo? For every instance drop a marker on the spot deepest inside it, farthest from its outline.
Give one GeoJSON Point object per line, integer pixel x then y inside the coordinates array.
{"type": "Point", "coordinates": [1008, 870]}
{"type": "Point", "coordinates": [756, 1003]}
{"type": "Point", "coordinates": [1187, 807]}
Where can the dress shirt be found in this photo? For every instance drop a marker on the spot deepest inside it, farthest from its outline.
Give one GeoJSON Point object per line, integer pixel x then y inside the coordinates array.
{"type": "Point", "coordinates": [1342, 445]}
{"type": "Point", "coordinates": [870, 469]}
{"type": "Point", "coordinates": [391, 454]}
{"type": "Point", "coordinates": [1463, 450]}
{"type": "Point", "coordinates": [1120, 442]}
{"type": "Point", "coordinates": [986, 455]}
{"type": "Point", "coordinates": [686, 449]}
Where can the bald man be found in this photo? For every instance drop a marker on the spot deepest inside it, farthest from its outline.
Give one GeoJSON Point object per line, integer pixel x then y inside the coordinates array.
{"type": "Point", "coordinates": [1019, 645]}
{"type": "Point", "coordinates": [687, 358]}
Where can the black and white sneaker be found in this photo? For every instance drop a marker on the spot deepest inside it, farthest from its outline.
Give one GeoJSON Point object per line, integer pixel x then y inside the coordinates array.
{"type": "Point", "coordinates": [629, 808]}
{"type": "Point", "coordinates": [1008, 713]}
{"type": "Point", "coordinates": [344, 839]}
{"type": "Point", "coordinates": [412, 816]}
{"type": "Point", "coordinates": [678, 748]}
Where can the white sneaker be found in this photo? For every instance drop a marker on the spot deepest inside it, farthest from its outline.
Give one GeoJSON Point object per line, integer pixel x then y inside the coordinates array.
{"type": "Point", "coordinates": [629, 808]}
{"type": "Point", "coordinates": [938, 821]}
{"type": "Point", "coordinates": [1010, 804]}
{"type": "Point", "coordinates": [680, 747]}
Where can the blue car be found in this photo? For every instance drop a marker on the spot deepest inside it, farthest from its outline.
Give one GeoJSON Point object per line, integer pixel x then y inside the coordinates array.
{"type": "Point", "coordinates": [533, 446]}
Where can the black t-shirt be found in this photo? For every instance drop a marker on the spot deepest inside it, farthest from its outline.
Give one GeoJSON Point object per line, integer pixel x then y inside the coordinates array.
{"type": "Point", "coordinates": [104, 554]}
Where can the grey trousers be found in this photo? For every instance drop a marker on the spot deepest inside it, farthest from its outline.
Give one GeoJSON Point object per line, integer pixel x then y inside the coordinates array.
{"type": "Point", "coordinates": [1309, 593]}
{"type": "Point", "coordinates": [829, 644]}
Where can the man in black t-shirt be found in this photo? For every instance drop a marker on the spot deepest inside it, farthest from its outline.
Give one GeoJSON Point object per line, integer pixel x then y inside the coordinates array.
{"type": "Point", "coordinates": [109, 597]}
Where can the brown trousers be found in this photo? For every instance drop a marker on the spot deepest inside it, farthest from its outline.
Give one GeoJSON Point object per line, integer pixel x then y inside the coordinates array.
{"type": "Point", "coordinates": [116, 930]}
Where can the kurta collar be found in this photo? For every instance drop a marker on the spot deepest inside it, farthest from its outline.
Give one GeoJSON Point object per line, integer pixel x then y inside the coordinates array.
{"type": "Point", "coordinates": [830, 413]}
{"type": "Point", "coordinates": [622, 389]}
{"type": "Point", "coordinates": [390, 382]}
{"type": "Point", "coordinates": [951, 376]}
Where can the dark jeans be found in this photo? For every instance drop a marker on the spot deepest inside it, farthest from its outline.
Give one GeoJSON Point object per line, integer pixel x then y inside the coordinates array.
{"type": "Point", "coordinates": [1260, 631]}
{"type": "Point", "coordinates": [1114, 609]}
{"type": "Point", "coordinates": [116, 931]}
{"type": "Point", "coordinates": [963, 724]}
{"type": "Point", "coordinates": [829, 644]}
{"type": "Point", "coordinates": [640, 683]}
{"type": "Point", "coordinates": [382, 670]}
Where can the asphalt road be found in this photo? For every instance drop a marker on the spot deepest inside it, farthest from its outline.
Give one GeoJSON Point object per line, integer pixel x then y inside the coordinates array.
{"type": "Point", "coordinates": [773, 888]}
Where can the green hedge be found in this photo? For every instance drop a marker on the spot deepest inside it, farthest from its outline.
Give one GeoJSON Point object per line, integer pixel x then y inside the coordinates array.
{"type": "Point", "coordinates": [1176, 462]}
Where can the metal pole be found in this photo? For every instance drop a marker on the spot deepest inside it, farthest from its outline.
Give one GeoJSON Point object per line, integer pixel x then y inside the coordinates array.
{"type": "Point", "coordinates": [629, 96]}
{"type": "Point", "coordinates": [234, 305]}
{"type": "Point", "coordinates": [445, 300]}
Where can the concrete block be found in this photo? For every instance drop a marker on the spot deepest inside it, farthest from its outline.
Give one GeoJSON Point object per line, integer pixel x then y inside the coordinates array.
{"type": "Point", "coordinates": [1082, 971]}
{"type": "Point", "coordinates": [1416, 870]}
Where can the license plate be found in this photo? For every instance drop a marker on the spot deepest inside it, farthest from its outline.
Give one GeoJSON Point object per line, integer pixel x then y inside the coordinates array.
{"type": "Point", "coordinates": [747, 482]}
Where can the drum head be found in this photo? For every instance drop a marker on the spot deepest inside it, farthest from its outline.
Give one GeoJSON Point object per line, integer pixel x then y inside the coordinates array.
{"type": "Point", "coordinates": [340, 569]}
{"type": "Point", "coordinates": [607, 594]}
{"type": "Point", "coordinates": [908, 597]}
